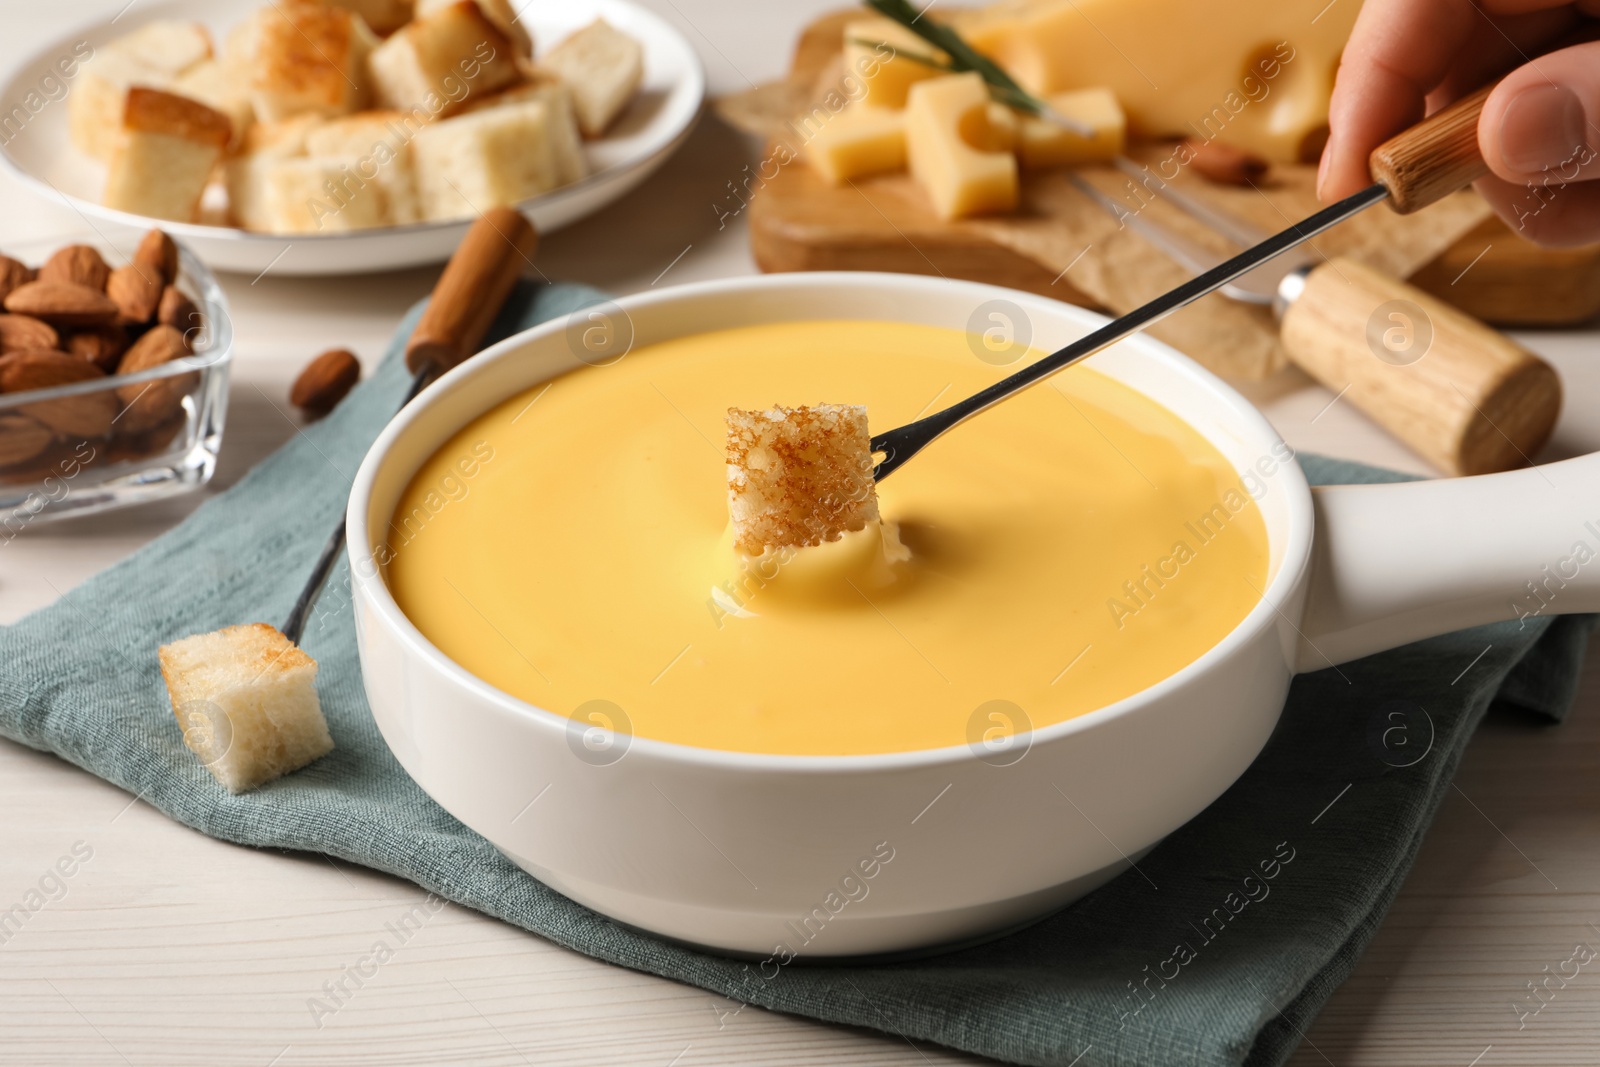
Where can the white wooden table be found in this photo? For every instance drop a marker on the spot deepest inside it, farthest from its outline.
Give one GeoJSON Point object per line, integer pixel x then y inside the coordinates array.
{"type": "Point", "coordinates": [170, 948]}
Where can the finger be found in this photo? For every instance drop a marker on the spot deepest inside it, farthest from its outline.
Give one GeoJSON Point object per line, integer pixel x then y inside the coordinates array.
{"type": "Point", "coordinates": [1542, 122]}
{"type": "Point", "coordinates": [1557, 216]}
{"type": "Point", "coordinates": [1502, 43]}
{"type": "Point", "coordinates": [1398, 52]}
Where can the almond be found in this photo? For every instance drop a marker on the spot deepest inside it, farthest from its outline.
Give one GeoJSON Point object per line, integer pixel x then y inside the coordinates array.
{"type": "Point", "coordinates": [157, 252]}
{"type": "Point", "coordinates": [149, 404]}
{"type": "Point", "coordinates": [86, 415]}
{"type": "Point", "coordinates": [136, 289]}
{"type": "Point", "coordinates": [102, 345]}
{"type": "Point", "coordinates": [1224, 163]}
{"type": "Point", "coordinates": [325, 381]}
{"type": "Point", "coordinates": [20, 331]}
{"type": "Point", "coordinates": [76, 265]}
{"type": "Point", "coordinates": [22, 438]}
{"type": "Point", "coordinates": [12, 274]}
{"type": "Point", "coordinates": [62, 303]}
{"type": "Point", "coordinates": [177, 310]}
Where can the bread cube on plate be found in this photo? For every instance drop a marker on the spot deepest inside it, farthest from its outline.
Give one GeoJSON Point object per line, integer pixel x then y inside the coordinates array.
{"type": "Point", "coordinates": [490, 158]}
{"type": "Point", "coordinates": [378, 143]}
{"type": "Point", "coordinates": [154, 56]}
{"type": "Point", "coordinates": [565, 143]}
{"type": "Point", "coordinates": [301, 57]}
{"type": "Point", "coordinates": [500, 12]}
{"type": "Point", "coordinates": [168, 147]}
{"type": "Point", "coordinates": [383, 16]}
{"type": "Point", "coordinates": [442, 60]}
{"type": "Point", "coordinates": [169, 46]}
{"type": "Point", "coordinates": [322, 195]}
{"type": "Point", "coordinates": [245, 174]}
{"type": "Point", "coordinates": [215, 86]}
{"type": "Point", "coordinates": [246, 700]}
{"type": "Point", "coordinates": [799, 476]}
{"type": "Point", "coordinates": [603, 67]}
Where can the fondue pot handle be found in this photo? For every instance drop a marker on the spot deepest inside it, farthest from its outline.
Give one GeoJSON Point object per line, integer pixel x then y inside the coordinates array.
{"type": "Point", "coordinates": [1397, 563]}
{"type": "Point", "coordinates": [470, 292]}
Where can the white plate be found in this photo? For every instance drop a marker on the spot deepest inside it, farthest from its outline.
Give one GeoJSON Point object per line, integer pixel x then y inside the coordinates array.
{"type": "Point", "coordinates": [42, 154]}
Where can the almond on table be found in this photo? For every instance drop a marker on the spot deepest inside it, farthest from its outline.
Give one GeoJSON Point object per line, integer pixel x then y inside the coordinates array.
{"type": "Point", "coordinates": [325, 381]}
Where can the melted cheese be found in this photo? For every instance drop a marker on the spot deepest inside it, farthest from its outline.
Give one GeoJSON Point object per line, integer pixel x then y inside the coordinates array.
{"type": "Point", "coordinates": [1067, 549]}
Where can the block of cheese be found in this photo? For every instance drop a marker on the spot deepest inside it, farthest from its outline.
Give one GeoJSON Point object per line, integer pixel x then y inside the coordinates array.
{"type": "Point", "coordinates": [382, 16]}
{"type": "Point", "coordinates": [957, 154]}
{"type": "Point", "coordinates": [500, 12]}
{"type": "Point", "coordinates": [154, 56]}
{"type": "Point", "coordinates": [168, 148]}
{"type": "Point", "coordinates": [215, 86]}
{"type": "Point", "coordinates": [264, 145]}
{"type": "Point", "coordinates": [375, 145]}
{"type": "Point", "coordinates": [1041, 143]}
{"type": "Point", "coordinates": [858, 141]}
{"type": "Point", "coordinates": [882, 57]}
{"type": "Point", "coordinates": [489, 158]}
{"type": "Point", "coordinates": [299, 57]}
{"type": "Point", "coordinates": [565, 143]}
{"type": "Point", "coordinates": [603, 67]}
{"type": "Point", "coordinates": [1252, 73]}
{"type": "Point", "coordinates": [442, 60]}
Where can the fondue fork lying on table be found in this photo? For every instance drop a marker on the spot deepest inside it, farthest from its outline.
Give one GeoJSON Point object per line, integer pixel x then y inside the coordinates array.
{"type": "Point", "coordinates": [1411, 170]}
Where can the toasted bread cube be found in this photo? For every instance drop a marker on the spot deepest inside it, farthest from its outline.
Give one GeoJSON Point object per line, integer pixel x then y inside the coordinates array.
{"type": "Point", "coordinates": [94, 107]}
{"type": "Point", "coordinates": [170, 46]}
{"type": "Point", "coordinates": [300, 57]}
{"type": "Point", "coordinates": [211, 83]}
{"type": "Point", "coordinates": [322, 195]}
{"type": "Point", "coordinates": [383, 16]}
{"type": "Point", "coordinates": [490, 158]}
{"type": "Point", "coordinates": [500, 12]}
{"type": "Point", "coordinates": [377, 143]}
{"type": "Point", "coordinates": [858, 141]}
{"type": "Point", "coordinates": [603, 67]}
{"type": "Point", "coordinates": [1045, 144]}
{"type": "Point", "coordinates": [246, 701]}
{"type": "Point", "coordinates": [169, 146]}
{"type": "Point", "coordinates": [566, 145]}
{"type": "Point", "coordinates": [799, 476]}
{"type": "Point", "coordinates": [440, 61]}
{"type": "Point", "coordinates": [264, 145]}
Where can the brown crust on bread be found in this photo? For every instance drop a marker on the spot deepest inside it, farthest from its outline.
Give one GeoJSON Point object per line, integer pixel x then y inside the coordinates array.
{"type": "Point", "coordinates": [156, 111]}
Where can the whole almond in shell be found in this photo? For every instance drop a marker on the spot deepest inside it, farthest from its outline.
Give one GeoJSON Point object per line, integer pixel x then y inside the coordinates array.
{"type": "Point", "coordinates": [149, 404]}
{"type": "Point", "coordinates": [19, 332]}
{"type": "Point", "coordinates": [325, 381]}
{"type": "Point", "coordinates": [101, 345]}
{"type": "Point", "coordinates": [85, 415]}
{"type": "Point", "coordinates": [136, 290]}
{"type": "Point", "coordinates": [22, 438]}
{"type": "Point", "coordinates": [12, 274]}
{"type": "Point", "coordinates": [76, 265]}
{"type": "Point", "coordinates": [62, 304]}
{"type": "Point", "coordinates": [157, 252]}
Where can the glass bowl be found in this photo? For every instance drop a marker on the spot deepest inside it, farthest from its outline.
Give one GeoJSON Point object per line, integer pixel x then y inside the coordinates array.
{"type": "Point", "coordinates": [123, 439]}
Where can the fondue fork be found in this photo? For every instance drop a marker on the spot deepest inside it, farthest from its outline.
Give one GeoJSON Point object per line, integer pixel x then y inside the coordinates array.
{"type": "Point", "coordinates": [1325, 310]}
{"type": "Point", "coordinates": [1410, 171]}
{"type": "Point", "coordinates": [465, 300]}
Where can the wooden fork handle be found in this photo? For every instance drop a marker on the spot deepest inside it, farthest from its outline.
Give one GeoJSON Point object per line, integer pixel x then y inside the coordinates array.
{"type": "Point", "coordinates": [470, 292]}
{"type": "Point", "coordinates": [1434, 158]}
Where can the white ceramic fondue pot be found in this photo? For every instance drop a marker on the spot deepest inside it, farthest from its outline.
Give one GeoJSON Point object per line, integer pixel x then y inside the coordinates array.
{"type": "Point", "coordinates": [821, 856]}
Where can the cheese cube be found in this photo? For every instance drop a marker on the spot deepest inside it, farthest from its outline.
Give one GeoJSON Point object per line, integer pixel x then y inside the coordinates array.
{"type": "Point", "coordinates": [858, 141]}
{"type": "Point", "coordinates": [565, 144]}
{"type": "Point", "coordinates": [441, 60]}
{"type": "Point", "coordinates": [603, 67]}
{"type": "Point", "coordinates": [168, 148]}
{"type": "Point", "coordinates": [1252, 73]}
{"type": "Point", "coordinates": [500, 12]}
{"type": "Point", "coordinates": [1041, 143]}
{"type": "Point", "coordinates": [377, 143]}
{"type": "Point", "coordinates": [490, 158]}
{"type": "Point", "coordinates": [300, 57]}
{"type": "Point", "coordinates": [957, 154]}
{"type": "Point", "coordinates": [246, 701]}
{"type": "Point", "coordinates": [886, 59]}
{"type": "Point", "coordinates": [211, 83]}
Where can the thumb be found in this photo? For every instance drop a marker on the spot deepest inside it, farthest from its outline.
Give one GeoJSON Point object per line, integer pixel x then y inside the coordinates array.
{"type": "Point", "coordinates": [1542, 122]}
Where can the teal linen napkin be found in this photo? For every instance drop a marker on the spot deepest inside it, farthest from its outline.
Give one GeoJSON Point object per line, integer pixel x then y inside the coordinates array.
{"type": "Point", "coordinates": [1219, 953]}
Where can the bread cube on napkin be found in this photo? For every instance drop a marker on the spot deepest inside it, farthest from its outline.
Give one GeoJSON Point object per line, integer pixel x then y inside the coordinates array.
{"type": "Point", "coordinates": [603, 66]}
{"type": "Point", "coordinates": [246, 700]}
{"type": "Point", "coordinates": [169, 146]}
{"type": "Point", "coordinates": [799, 476]}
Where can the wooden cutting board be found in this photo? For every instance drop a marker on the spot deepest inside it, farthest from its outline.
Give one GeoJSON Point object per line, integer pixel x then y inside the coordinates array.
{"type": "Point", "coordinates": [799, 222]}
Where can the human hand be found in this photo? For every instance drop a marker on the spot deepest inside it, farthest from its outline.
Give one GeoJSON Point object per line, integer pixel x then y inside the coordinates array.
{"type": "Point", "coordinates": [1539, 130]}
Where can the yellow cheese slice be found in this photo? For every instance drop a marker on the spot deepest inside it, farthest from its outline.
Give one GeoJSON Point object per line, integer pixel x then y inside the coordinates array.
{"type": "Point", "coordinates": [957, 154]}
{"type": "Point", "coordinates": [882, 56]}
{"type": "Point", "coordinates": [1252, 73]}
{"type": "Point", "coordinates": [858, 141]}
{"type": "Point", "coordinates": [1041, 144]}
